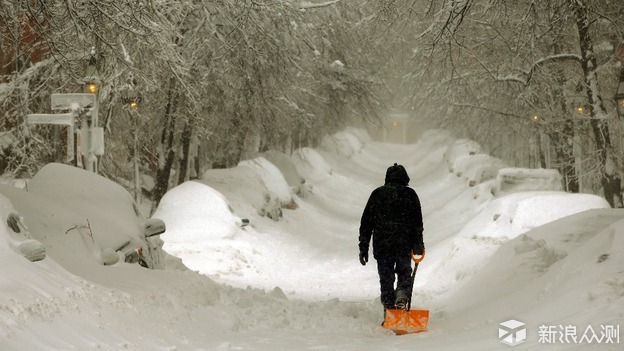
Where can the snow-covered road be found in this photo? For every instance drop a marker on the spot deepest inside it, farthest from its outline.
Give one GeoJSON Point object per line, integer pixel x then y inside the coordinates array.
{"type": "Point", "coordinates": [296, 283]}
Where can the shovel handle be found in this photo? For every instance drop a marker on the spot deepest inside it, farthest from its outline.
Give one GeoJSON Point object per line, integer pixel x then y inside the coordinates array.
{"type": "Point", "coordinates": [417, 259]}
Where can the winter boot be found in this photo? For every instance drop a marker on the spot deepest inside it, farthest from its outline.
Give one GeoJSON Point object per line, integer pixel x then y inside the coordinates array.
{"type": "Point", "coordinates": [401, 301]}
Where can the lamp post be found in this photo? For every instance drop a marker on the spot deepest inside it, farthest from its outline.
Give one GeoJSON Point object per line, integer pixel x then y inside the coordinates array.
{"type": "Point", "coordinates": [91, 85]}
{"type": "Point", "coordinates": [539, 143]}
{"type": "Point", "coordinates": [533, 143]}
{"type": "Point", "coordinates": [132, 101]}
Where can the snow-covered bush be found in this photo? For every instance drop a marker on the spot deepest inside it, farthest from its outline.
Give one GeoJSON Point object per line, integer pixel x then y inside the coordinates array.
{"type": "Point", "coordinates": [11, 154]}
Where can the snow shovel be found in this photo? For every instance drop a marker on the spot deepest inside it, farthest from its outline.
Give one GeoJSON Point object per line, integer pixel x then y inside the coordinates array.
{"type": "Point", "coordinates": [407, 321]}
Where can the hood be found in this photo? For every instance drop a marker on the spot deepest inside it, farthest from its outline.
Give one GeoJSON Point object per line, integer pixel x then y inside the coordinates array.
{"type": "Point", "coordinates": [397, 174]}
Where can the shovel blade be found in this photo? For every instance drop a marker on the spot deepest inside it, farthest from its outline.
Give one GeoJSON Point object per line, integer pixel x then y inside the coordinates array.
{"type": "Point", "coordinates": [406, 322]}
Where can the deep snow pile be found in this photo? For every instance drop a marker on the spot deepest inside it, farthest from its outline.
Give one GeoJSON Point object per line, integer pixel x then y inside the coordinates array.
{"type": "Point", "coordinates": [295, 283]}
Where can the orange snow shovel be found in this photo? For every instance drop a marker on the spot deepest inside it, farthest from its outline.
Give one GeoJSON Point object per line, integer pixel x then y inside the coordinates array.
{"type": "Point", "coordinates": [407, 321]}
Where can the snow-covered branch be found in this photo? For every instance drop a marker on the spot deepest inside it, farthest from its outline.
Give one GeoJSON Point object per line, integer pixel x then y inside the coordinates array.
{"type": "Point", "coordinates": [495, 112]}
{"type": "Point", "coordinates": [528, 75]}
{"type": "Point", "coordinates": [311, 5]}
{"type": "Point", "coordinates": [553, 58]}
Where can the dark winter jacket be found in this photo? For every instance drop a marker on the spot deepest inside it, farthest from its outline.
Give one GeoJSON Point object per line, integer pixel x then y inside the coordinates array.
{"type": "Point", "coordinates": [392, 217]}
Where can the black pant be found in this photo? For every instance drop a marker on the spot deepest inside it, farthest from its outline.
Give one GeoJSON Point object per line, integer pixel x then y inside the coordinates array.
{"type": "Point", "coordinates": [387, 268]}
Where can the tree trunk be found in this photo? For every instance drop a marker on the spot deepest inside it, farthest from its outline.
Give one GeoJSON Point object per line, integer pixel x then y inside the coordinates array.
{"type": "Point", "coordinates": [597, 111]}
{"type": "Point", "coordinates": [167, 150]}
{"type": "Point", "coordinates": [563, 140]}
{"type": "Point", "coordinates": [563, 136]}
{"type": "Point", "coordinates": [185, 144]}
{"type": "Point", "coordinates": [568, 165]}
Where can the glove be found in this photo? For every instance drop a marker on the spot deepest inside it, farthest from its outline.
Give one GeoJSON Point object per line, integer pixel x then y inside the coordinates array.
{"type": "Point", "coordinates": [363, 257]}
{"type": "Point", "coordinates": [419, 246]}
{"type": "Point", "coordinates": [419, 249]}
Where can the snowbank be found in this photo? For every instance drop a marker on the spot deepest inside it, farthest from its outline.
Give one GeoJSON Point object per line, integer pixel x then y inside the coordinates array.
{"type": "Point", "coordinates": [458, 258]}
{"type": "Point", "coordinates": [567, 272]}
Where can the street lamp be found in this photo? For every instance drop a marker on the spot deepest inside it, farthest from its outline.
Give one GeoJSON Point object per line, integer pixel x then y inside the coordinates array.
{"type": "Point", "coordinates": [579, 107]}
{"type": "Point", "coordinates": [91, 81]}
{"type": "Point", "coordinates": [134, 104]}
{"type": "Point", "coordinates": [90, 87]}
{"type": "Point", "coordinates": [131, 96]}
{"type": "Point", "coordinates": [619, 95]}
{"type": "Point", "coordinates": [132, 101]}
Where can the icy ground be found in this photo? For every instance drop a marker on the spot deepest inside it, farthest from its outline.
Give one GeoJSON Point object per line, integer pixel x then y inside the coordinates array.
{"type": "Point", "coordinates": [543, 258]}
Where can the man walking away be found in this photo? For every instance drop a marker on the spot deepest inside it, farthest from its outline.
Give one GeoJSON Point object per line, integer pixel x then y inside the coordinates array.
{"type": "Point", "coordinates": [393, 218]}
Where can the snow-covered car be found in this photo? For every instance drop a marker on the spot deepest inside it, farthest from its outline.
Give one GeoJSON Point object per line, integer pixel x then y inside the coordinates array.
{"type": "Point", "coordinates": [513, 180]}
{"type": "Point", "coordinates": [16, 234]}
{"type": "Point", "coordinates": [476, 169]}
{"type": "Point", "coordinates": [74, 211]}
{"type": "Point", "coordinates": [459, 148]}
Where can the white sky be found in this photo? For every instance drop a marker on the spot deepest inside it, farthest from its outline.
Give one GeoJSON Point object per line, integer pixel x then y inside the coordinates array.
{"type": "Point", "coordinates": [296, 283]}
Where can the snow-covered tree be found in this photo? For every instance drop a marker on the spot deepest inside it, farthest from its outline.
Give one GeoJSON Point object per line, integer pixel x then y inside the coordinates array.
{"type": "Point", "coordinates": [218, 81]}
{"type": "Point", "coordinates": [518, 69]}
